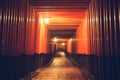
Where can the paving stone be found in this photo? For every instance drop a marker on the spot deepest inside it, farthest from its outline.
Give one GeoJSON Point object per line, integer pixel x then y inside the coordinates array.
{"type": "Point", "coordinates": [60, 69]}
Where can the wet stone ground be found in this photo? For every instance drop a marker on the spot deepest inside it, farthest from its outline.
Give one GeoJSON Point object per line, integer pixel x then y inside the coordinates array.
{"type": "Point", "coordinates": [60, 69]}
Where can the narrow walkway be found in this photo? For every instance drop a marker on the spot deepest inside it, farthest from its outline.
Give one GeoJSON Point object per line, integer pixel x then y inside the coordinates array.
{"type": "Point", "coordinates": [60, 69]}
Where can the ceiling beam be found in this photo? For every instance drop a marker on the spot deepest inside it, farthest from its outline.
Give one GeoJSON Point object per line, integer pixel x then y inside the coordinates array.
{"type": "Point", "coordinates": [62, 33]}
{"type": "Point", "coordinates": [59, 4]}
{"type": "Point", "coordinates": [62, 27]}
{"type": "Point", "coordinates": [59, 10]}
{"type": "Point", "coordinates": [59, 0]}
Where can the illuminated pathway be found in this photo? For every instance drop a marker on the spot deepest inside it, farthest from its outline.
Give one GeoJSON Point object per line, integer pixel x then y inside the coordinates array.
{"type": "Point", "coordinates": [60, 69]}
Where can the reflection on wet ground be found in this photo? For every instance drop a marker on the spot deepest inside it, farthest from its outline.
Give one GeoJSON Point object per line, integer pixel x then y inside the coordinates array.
{"type": "Point", "coordinates": [60, 69]}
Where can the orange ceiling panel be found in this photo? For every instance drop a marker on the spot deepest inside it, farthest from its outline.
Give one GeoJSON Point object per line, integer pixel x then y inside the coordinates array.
{"type": "Point", "coordinates": [63, 14]}
{"type": "Point", "coordinates": [66, 18]}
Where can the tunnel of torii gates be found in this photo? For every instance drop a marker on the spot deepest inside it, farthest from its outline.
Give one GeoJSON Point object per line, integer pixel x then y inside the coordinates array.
{"type": "Point", "coordinates": [26, 30]}
{"type": "Point", "coordinates": [95, 25]}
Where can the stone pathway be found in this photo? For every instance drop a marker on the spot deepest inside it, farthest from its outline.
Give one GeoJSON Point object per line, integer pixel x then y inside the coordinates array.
{"type": "Point", "coordinates": [60, 69]}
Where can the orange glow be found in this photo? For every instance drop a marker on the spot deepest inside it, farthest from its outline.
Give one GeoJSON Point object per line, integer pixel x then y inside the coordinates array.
{"type": "Point", "coordinates": [37, 36]}
{"type": "Point", "coordinates": [59, 39]}
{"type": "Point", "coordinates": [55, 18]}
{"type": "Point", "coordinates": [55, 39]}
{"type": "Point", "coordinates": [69, 46]}
{"type": "Point", "coordinates": [63, 14]}
{"type": "Point", "coordinates": [63, 18]}
{"type": "Point", "coordinates": [40, 20]}
{"type": "Point", "coordinates": [63, 44]}
{"type": "Point", "coordinates": [82, 37]}
{"type": "Point", "coordinates": [46, 20]}
{"type": "Point", "coordinates": [41, 35]}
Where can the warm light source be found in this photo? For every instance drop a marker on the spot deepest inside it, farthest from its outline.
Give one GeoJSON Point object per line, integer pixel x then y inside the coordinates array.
{"type": "Point", "coordinates": [47, 20]}
{"type": "Point", "coordinates": [55, 39]}
{"type": "Point", "coordinates": [63, 44]}
{"type": "Point", "coordinates": [71, 39]}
